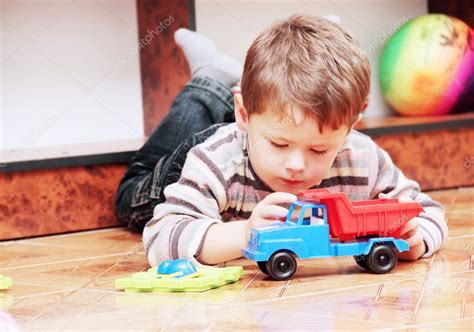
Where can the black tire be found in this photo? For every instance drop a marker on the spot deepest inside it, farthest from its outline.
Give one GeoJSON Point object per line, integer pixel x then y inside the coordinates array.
{"type": "Point", "coordinates": [282, 265]}
{"type": "Point", "coordinates": [361, 260]}
{"type": "Point", "coordinates": [263, 267]}
{"type": "Point", "coordinates": [381, 259]}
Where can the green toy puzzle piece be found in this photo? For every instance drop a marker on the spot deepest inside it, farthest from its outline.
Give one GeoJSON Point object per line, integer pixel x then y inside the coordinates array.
{"type": "Point", "coordinates": [205, 278]}
{"type": "Point", "coordinates": [5, 282]}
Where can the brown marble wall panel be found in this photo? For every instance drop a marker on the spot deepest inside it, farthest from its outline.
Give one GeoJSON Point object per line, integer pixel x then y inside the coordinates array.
{"type": "Point", "coordinates": [164, 70]}
{"type": "Point", "coordinates": [58, 200]}
{"type": "Point", "coordinates": [436, 159]}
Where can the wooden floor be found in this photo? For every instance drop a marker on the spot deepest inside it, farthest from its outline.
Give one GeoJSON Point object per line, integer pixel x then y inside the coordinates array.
{"type": "Point", "coordinates": [67, 282]}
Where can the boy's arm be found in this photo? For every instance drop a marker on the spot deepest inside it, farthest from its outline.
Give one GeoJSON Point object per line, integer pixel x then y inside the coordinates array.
{"type": "Point", "coordinates": [223, 242]}
{"type": "Point", "coordinates": [193, 204]}
{"type": "Point", "coordinates": [391, 181]}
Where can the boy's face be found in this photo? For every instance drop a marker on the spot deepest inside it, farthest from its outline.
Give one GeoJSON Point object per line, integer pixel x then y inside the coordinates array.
{"type": "Point", "coordinates": [287, 155]}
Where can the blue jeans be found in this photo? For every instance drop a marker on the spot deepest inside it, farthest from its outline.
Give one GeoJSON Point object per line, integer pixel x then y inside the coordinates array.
{"type": "Point", "coordinates": [198, 111]}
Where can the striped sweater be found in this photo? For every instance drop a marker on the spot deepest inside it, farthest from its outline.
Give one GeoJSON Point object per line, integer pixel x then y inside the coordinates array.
{"type": "Point", "coordinates": [218, 184]}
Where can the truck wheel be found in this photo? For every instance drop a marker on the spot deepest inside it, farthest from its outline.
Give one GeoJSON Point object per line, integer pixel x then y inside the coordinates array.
{"type": "Point", "coordinates": [382, 259]}
{"type": "Point", "coordinates": [361, 260]}
{"type": "Point", "coordinates": [263, 267]}
{"type": "Point", "coordinates": [282, 265]}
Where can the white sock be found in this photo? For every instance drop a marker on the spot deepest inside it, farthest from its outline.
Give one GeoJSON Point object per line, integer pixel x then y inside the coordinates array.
{"type": "Point", "coordinates": [205, 60]}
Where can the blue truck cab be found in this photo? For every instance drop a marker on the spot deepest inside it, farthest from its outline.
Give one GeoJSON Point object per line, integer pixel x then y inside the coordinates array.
{"type": "Point", "coordinates": [305, 234]}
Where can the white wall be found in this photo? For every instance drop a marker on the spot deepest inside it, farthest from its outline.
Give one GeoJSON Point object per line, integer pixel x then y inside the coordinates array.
{"type": "Point", "coordinates": [234, 24]}
{"type": "Point", "coordinates": [69, 73]}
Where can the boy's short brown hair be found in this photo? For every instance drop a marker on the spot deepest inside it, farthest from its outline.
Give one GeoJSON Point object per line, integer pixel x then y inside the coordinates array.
{"type": "Point", "coordinates": [311, 62]}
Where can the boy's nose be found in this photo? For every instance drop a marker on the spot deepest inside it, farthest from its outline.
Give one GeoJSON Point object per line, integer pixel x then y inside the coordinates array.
{"type": "Point", "coordinates": [295, 163]}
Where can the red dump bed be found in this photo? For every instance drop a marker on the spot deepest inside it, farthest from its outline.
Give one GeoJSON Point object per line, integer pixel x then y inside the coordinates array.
{"type": "Point", "coordinates": [348, 220]}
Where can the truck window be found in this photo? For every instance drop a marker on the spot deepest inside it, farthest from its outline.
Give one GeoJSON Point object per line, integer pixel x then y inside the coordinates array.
{"type": "Point", "coordinates": [296, 213]}
{"type": "Point", "coordinates": [316, 216]}
{"type": "Point", "coordinates": [308, 213]}
{"type": "Point", "coordinates": [318, 212]}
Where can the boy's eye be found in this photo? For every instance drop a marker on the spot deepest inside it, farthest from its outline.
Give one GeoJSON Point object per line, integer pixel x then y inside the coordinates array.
{"type": "Point", "coordinates": [282, 146]}
{"type": "Point", "coordinates": [320, 153]}
{"type": "Point", "coordinates": [278, 146]}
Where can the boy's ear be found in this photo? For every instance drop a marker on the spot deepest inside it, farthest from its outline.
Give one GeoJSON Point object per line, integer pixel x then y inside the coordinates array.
{"type": "Point", "coordinates": [359, 117]}
{"type": "Point", "coordinates": [241, 115]}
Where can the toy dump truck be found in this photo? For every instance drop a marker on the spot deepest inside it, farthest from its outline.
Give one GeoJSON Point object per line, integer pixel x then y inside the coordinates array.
{"type": "Point", "coordinates": [323, 224]}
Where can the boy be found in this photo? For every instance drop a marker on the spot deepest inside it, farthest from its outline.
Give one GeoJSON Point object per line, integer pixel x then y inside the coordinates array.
{"type": "Point", "coordinates": [304, 85]}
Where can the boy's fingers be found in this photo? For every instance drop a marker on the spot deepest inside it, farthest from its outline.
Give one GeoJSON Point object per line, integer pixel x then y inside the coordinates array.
{"type": "Point", "coordinates": [409, 229]}
{"type": "Point", "coordinates": [410, 225]}
{"type": "Point", "coordinates": [415, 240]}
{"type": "Point", "coordinates": [405, 199]}
{"type": "Point", "coordinates": [408, 234]}
{"type": "Point", "coordinates": [273, 212]}
{"type": "Point", "coordinates": [383, 196]}
{"type": "Point", "coordinates": [279, 198]}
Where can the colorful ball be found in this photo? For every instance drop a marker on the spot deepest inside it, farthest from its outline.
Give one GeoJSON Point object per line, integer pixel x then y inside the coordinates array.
{"type": "Point", "coordinates": [427, 66]}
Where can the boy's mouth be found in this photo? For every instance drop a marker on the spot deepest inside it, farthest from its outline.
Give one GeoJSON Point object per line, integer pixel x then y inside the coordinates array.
{"type": "Point", "coordinates": [291, 183]}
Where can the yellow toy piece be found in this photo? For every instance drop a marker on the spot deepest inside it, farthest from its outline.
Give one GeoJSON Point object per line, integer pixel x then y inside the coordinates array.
{"type": "Point", "coordinates": [205, 278]}
{"type": "Point", "coordinates": [5, 282]}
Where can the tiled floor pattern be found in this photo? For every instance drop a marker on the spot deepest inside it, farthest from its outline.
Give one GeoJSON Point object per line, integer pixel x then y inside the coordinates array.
{"type": "Point", "coordinates": [66, 282]}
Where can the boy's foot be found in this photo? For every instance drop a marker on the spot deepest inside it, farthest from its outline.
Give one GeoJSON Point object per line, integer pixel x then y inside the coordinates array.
{"type": "Point", "coordinates": [205, 60]}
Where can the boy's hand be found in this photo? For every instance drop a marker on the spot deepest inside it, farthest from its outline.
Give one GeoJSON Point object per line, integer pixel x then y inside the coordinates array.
{"type": "Point", "coordinates": [267, 211]}
{"type": "Point", "coordinates": [411, 234]}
